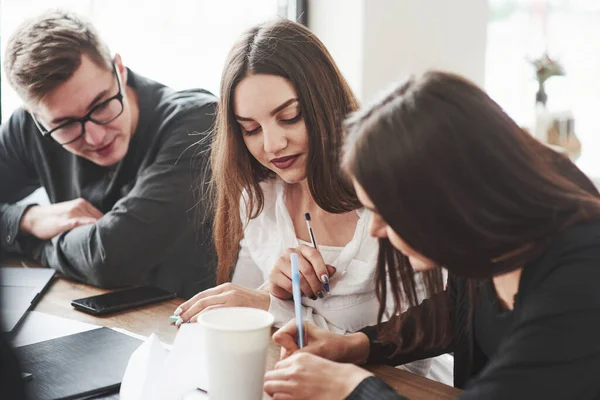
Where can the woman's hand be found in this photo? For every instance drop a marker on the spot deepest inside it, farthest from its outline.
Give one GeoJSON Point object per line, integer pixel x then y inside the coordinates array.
{"type": "Point", "coordinates": [352, 348]}
{"type": "Point", "coordinates": [314, 274]}
{"type": "Point", "coordinates": [225, 295]}
{"type": "Point", "coordinates": [306, 376]}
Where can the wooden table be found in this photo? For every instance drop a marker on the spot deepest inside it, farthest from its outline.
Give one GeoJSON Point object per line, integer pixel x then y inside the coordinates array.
{"type": "Point", "coordinates": [154, 318]}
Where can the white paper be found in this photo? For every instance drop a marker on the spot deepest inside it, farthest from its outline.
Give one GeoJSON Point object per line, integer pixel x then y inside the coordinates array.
{"type": "Point", "coordinates": [184, 368]}
{"type": "Point", "coordinates": [140, 337]}
{"type": "Point", "coordinates": [143, 371]}
{"type": "Point", "coordinates": [196, 395]}
{"type": "Point", "coordinates": [38, 327]}
{"type": "Point", "coordinates": [154, 374]}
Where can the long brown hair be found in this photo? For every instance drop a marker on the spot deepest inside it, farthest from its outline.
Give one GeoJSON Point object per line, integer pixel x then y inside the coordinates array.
{"type": "Point", "coordinates": [289, 50]}
{"type": "Point", "coordinates": [460, 182]}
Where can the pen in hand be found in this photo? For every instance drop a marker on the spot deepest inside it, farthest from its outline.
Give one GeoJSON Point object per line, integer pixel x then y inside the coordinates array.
{"type": "Point", "coordinates": [297, 295]}
{"type": "Point", "coordinates": [324, 277]}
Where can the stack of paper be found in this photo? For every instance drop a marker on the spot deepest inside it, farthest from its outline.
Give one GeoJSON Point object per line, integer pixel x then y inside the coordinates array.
{"type": "Point", "coordinates": [155, 374]}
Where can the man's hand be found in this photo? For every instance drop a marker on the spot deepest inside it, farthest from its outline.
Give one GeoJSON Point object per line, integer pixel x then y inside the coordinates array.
{"type": "Point", "coordinates": [45, 222]}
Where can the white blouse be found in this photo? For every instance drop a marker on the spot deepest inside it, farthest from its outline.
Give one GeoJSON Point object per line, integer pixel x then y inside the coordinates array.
{"type": "Point", "coordinates": [351, 303]}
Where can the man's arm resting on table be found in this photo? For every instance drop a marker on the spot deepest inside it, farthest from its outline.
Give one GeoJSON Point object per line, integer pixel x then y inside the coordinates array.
{"type": "Point", "coordinates": [11, 216]}
{"type": "Point", "coordinates": [124, 245]}
{"type": "Point", "coordinates": [18, 177]}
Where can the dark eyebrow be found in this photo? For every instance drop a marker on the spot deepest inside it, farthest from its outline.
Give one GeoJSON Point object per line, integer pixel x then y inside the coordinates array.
{"type": "Point", "coordinates": [92, 104]}
{"type": "Point", "coordinates": [275, 110]}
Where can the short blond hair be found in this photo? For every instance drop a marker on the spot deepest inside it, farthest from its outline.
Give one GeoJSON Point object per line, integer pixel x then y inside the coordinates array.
{"type": "Point", "coordinates": [46, 50]}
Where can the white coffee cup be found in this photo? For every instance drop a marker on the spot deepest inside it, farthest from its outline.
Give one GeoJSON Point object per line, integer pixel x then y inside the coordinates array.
{"type": "Point", "coordinates": [236, 340]}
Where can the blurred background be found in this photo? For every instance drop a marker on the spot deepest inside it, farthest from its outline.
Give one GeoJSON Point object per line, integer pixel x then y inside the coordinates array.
{"type": "Point", "coordinates": [508, 47]}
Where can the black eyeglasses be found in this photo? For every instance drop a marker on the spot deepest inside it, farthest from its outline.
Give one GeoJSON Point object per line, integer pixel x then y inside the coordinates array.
{"type": "Point", "coordinates": [74, 129]}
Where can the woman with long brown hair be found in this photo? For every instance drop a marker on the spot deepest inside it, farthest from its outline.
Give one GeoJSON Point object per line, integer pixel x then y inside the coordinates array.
{"type": "Point", "coordinates": [276, 157]}
{"type": "Point", "coordinates": [454, 183]}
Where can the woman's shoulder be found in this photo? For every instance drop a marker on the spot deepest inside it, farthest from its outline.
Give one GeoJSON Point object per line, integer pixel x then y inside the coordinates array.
{"type": "Point", "coordinates": [571, 262]}
{"type": "Point", "coordinates": [575, 244]}
{"type": "Point", "coordinates": [583, 233]}
{"type": "Point", "coordinates": [270, 191]}
{"type": "Point", "coordinates": [263, 234]}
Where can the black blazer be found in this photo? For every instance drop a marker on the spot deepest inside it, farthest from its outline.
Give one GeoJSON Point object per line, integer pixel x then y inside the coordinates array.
{"type": "Point", "coordinates": [552, 348]}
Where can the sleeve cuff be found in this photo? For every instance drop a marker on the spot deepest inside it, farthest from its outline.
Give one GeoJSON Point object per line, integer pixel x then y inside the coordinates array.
{"type": "Point", "coordinates": [371, 332]}
{"type": "Point", "coordinates": [379, 353]}
{"type": "Point", "coordinates": [374, 388]}
{"type": "Point", "coordinates": [10, 221]}
{"type": "Point", "coordinates": [282, 310]}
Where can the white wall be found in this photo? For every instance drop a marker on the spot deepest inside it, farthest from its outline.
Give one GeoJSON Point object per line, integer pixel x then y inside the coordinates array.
{"type": "Point", "coordinates": [339, 25]}
{"type": "Point", "coordinates": [377, 42]}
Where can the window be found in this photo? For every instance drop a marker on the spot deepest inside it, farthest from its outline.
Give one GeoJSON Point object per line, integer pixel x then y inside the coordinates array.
{"type": "Point", "coordinates": [520, 30]}
{"type": "Point", "coordinates": [180, 43]}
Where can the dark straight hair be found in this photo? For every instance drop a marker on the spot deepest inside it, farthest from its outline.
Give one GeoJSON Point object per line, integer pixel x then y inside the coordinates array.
{"type": "Point", "coordinates": [460, 182]}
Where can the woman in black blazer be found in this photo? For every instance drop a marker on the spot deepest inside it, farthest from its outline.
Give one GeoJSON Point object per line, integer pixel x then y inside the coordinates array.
{"type": "Point", "coordinates": [455, 184]}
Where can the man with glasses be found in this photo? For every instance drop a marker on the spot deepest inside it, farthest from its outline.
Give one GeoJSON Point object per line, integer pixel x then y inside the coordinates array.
{"type": "Point", "coordinates": [121, 157]}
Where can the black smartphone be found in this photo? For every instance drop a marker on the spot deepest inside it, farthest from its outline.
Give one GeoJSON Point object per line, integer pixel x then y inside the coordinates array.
{"type": "Point", "coordinates": [121, 300]}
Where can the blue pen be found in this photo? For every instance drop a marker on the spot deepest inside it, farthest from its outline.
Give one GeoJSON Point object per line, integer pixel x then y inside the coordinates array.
{"type": "Point", "coordinates": [297, 298]}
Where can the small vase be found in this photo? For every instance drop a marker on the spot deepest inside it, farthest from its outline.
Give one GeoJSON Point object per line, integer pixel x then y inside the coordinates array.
{"type": "Point", "coordinates": [541, 96]}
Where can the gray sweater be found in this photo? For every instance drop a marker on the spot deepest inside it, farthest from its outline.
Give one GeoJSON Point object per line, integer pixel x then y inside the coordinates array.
{"type": "Point", "coordinates": [156, 227]}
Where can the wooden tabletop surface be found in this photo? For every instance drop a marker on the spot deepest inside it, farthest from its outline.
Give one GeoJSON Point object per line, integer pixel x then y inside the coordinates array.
{"type": "Point", "coordinates": [155, 319]}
